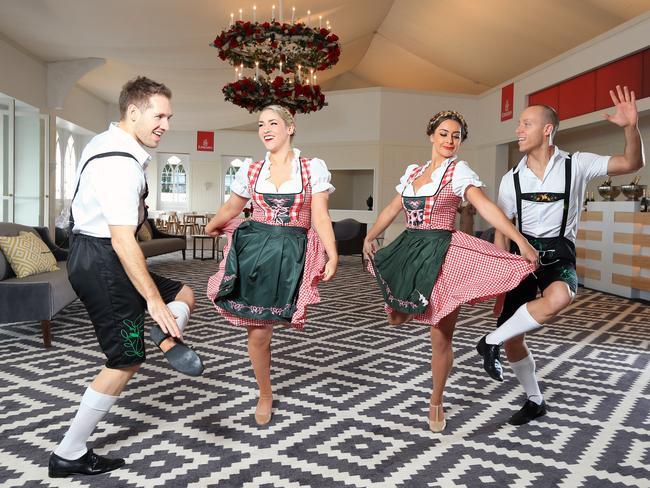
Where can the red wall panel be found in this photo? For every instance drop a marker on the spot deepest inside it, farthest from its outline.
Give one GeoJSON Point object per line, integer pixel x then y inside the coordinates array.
{"type": "Point", "coordinates": [577, 96]}
{"type": "Point", "coordinates": [624, 72]}
{"type": "Point", "coordinates": [549, 96]}
{"type": "Point", "coordinates": [645, 91]}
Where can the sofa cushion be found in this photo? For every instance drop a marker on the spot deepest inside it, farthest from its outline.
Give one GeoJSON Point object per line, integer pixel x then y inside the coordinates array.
{"type": "Point", "coordinates": [163, 245]}
{"type": "Point", "coordinates": [5, 268]}
{"type": "Point", "coordinates": [10, 229]}
{"type": "Point", "coordinates": [145, 233]}
{"type": "Point", "coordinates": [27, 254]}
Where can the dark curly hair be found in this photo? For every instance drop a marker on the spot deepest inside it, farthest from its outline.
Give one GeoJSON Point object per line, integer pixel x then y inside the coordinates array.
{"type": "Point", "coordinates": [440, 117]}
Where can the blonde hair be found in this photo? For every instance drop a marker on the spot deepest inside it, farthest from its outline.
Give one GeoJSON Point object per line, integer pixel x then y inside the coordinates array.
{"type": "Point", "coordinates": [285, 115]}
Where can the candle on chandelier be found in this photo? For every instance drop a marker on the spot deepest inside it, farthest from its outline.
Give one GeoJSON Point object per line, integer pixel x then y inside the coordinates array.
{"type": "Point", "coordinates": [311, 75]}
{"type": "Point", "coordinates": [241, 71]}
{"type": "Point", "coordinates": [328, 25]}
{"type": "Point", "coordinates": [272, 13]}
{"type": "Point", "coordinates": [315, 79]}
{"type": "Point", "coordinates": [257, 70]}
{"type": "Point", "coordinates": [240, 14]}
{"type": "Point", "coordinates": [280, 68]}
{"type": "Point", "coordinates": [254, 13]}
{"type": "Point", "coordinates": [320, 21]}
{"type": "Point", "coordinates": [232, 19]}
{"type": "Point", "coordinates": [293, 15]}
{"type": "Point", "coordinates": [308, 18]}
{"type": "Point", "coordinates": [298, 73]}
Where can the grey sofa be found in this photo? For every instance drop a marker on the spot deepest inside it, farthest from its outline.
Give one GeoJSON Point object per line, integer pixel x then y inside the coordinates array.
{"type": "Point", "coordinates": [34, 298]}
{"type": "Point", "coordinates": [161, 243]}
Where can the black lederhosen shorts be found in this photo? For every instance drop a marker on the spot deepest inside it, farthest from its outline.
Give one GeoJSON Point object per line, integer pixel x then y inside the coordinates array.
{"type": "Point", "coordinates": [540, 279]}
{"type": "Point", "coordinates": [115, 307]}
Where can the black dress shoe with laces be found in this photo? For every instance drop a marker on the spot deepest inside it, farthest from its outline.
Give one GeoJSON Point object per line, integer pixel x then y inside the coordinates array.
{"type": "Point", "coordinates": [491, 359]}
{"type": "Point", "coordinates": [181, 357]}
{"type": "Point", "coordinates": [90, 463]}
{"type": "Point", "coordinates": [528, 412]}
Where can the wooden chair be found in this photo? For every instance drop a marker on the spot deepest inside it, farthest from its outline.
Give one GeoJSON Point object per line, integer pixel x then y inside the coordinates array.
{"type": "Point", "coordinates": [172, 222]}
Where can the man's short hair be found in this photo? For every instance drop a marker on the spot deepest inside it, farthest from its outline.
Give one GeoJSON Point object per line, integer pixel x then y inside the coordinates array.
{"type": "Point", "coordinates": [550, 116]}
{"type": "Point", "coordinates": [138, 91]}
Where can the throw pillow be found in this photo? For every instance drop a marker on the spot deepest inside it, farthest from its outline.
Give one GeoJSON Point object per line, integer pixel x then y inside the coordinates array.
{"type": "Point", "coordinates": [27, 254]}
{"type": "Point", "coordinates": [145, 234]}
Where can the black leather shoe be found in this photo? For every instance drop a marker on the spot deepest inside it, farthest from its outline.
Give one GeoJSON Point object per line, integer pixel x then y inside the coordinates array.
{"type": "Point", "coordinates": [181, 357]}
{"type": "Point", "coordinates": [528, 412]}
{"type": "Point", "coordinates": [491, 359]}
{"type": "Point", "coordinates": [89, 463]}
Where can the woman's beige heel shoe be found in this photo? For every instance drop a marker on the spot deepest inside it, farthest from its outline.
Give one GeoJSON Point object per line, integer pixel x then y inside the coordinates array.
{"type": "Point", "coordinates": [435, 424]}
{"type": "Point", "coordinates": [263, 418]}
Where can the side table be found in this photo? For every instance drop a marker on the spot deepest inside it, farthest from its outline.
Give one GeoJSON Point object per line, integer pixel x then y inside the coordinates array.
{"type": "Point", "coordinates": [200, 238]}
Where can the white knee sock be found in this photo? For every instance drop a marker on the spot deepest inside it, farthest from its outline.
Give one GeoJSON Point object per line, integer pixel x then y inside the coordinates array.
{"type": "Point", "coordinates": [181, 311]}
{"type": "Point", "coordinates": [524, 369]}
{"type": "Point", "coordinates": [520, 323]}
{"type": "Point", "coordinates": [94, 406]}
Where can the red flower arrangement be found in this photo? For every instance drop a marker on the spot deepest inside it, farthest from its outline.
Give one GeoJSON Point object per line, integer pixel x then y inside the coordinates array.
{"type": "Point", "coordinates": [294, 49]}
{"type": "Point", "coordinates": [272, 43]}
{"type": "Point", "coordinates": [254, 95]}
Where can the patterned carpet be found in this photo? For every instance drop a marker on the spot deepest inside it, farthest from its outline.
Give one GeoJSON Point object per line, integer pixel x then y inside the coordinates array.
{"type": "Point", "coordinates": [352, 401]}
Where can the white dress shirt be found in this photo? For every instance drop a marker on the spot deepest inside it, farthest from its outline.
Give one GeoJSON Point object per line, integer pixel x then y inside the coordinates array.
{"type": "Point", "coordinates": [543, 219]}
{"type": "Point", "coordinates": [320, 178]}
{"type": "Point", "coordinates": [463, 177]}
{"type": "Point", "coordinates": [111, 188]}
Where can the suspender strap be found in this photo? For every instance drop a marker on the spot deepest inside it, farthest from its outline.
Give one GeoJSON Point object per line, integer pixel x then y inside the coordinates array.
{"type": "Point", "coordinates": [567, 192]}
{"type": "Point", "coordinates": [96, 156]}
{"type": "Point", "coordinates": [518, 199]}
{"type": "Point", "coordinates": [566, 198]}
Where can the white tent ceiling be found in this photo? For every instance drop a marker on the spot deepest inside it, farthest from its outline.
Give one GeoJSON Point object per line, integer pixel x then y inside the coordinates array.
{"type": "Point", "coordinates": [464, 46]}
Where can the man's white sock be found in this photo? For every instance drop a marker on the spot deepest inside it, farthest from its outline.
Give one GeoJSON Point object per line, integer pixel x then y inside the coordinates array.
{"type": "Point", "coordinates": [93, 407]}
{"type": "Point", "coordinates": [524, 370]}
{"type": "Point", "coordinates": [181, 311]}
{"type": "Point", "coordinates": [520, 323]}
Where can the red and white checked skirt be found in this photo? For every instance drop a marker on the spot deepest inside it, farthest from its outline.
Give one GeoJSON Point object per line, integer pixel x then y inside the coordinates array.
{"type": "Point", "coordinates": [315, 260]}
{"type": "Point", "coordinates": [474, 270]}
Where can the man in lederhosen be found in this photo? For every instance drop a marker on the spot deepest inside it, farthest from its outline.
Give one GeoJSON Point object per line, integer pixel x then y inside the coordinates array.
{"type": "Point", "coordinates": [545, 193]}
{"type": "Point", "coordinates": [108, 270]}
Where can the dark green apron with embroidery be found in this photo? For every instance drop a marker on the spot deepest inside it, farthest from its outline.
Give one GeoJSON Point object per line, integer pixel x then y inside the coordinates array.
{"type": "Point", "coordinates": [408, 267]}
{"type": "Point", "coordinates": [266, 263]}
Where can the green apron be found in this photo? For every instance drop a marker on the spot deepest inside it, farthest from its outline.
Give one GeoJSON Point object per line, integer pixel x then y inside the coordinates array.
{"type": "Point", "coordinates": [407, 268]}
{"type": "Point", "coordinates": [265, 265]}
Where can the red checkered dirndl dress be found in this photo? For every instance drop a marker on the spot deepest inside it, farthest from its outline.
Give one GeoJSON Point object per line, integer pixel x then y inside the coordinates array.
{"type": "Point", "coordinates": [473, 269]}
{"type": "Point", "coordinates": [315, 257]}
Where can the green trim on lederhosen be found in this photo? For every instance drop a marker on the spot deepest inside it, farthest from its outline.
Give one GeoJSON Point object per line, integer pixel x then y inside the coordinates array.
{"type": "Point", "coordinates": [408, 267]}
{"type": "Point", "coordinates": [263, 271]}
{"type": "Point", "coordinates": [132, 334]}
{"type": "Point", "coordinates": [557, 258]}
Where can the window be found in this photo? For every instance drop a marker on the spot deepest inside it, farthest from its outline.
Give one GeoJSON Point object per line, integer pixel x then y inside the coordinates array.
{"type": "Point", "coordinates": [231, 165]}
{"type": "Point", "coordinates": [59, 169]}
{"type": "Point", "coordinates": [69, 169]}
{"type": "Point", "coordinates": [174, 181]}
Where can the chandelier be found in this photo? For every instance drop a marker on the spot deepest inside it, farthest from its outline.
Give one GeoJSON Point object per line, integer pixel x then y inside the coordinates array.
{"type": "Point", "coordinates": [282, 58]}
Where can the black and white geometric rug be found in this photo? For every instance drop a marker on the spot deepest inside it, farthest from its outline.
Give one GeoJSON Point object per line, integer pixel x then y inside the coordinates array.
{"type": "Point", "coordinates": [352, 401]}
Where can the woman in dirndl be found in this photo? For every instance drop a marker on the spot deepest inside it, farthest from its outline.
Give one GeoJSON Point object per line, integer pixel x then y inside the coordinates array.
{"type": "Point", "coordinates": [430, 269]}
{"type": "Point", "coordinates": [273, 261]}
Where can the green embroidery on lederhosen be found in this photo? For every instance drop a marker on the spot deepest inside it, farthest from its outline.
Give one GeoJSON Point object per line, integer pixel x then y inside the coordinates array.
{"type": "Point", "coordinates": [567, 275]}
{"type": "Point", "coordinates": [539, 245]}
{"type": "Point", "coordinates": [132, 333]}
